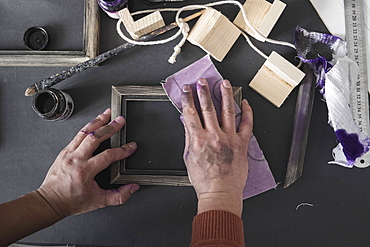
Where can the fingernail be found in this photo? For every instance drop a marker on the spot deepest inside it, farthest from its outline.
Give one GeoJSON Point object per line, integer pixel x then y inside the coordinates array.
{"type": "Point", "coordinates": [226, 83]}
{"type": "Point", "coordinates": [134, 188]}
{"type": "Point", "coordinates": [182, 119]}
{"type": "Point", "coordinates": [119, 119]}
{"type": "Point", "coordinates": [186, 88]}
{"type": "Point", "coordinates": [245, 102]}
{"type": "Point", "coordinates": [106, 111]}
{"type": "Point", "coordinates": [202, 82]}
{"type": "Point", "coordinates": [132, 145]}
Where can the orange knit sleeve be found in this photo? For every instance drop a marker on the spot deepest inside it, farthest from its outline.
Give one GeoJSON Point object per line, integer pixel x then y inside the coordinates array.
{"type": "Point", "coordinates": [217, 228]}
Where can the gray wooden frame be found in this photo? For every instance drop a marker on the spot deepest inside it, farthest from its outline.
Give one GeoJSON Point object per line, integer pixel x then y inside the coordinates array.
{"type": "Point", "coordinates": [120, 96]}
{"type": "Point", "coordinates": [61, 58]}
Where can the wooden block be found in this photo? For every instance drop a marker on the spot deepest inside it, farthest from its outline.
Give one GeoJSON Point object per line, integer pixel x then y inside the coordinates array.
{"type": "Point", "coordinates": [142, 26]}
{"type": "Point", "coordinates": [276, 79]}
{"type": "Point", "coordinates": [214, 33]}
{"type": "Point", "coordinates": [261, 14]}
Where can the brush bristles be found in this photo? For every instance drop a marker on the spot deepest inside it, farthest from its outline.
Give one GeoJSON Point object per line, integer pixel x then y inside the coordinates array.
{"type": "Point", "coordinates": [31, 91]}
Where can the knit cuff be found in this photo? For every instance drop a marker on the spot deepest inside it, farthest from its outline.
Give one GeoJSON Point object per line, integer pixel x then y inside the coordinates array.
{"type": "Point", "coordinates": [217, 227]}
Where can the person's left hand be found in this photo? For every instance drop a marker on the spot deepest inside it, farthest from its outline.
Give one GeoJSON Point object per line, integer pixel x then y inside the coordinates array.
{"type": "Point", "coordinates": [69, 186]}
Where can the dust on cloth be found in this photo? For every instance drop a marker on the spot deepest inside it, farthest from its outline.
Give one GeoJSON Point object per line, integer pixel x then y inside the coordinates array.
{"type": "Point", "coordinates": [326, 54]}
{"type": "Point", "coordinates": [260, 178]}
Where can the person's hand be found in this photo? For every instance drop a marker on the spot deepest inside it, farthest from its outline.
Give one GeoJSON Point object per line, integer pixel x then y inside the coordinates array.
{"type": "Point", "coordinates": [69, 186]}
{"type": "Point", "coordinates": [215, 153]}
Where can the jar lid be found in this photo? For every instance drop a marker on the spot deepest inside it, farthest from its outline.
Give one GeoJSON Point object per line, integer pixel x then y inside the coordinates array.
{"type": "Point", "coordinates": [36, 38]}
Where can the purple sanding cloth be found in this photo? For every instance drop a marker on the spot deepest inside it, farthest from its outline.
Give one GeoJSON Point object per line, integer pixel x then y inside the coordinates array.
{"type": "Point", "coordinates": [260, 178]}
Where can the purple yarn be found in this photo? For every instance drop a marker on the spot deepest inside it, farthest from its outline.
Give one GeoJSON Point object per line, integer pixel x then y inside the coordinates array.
{"type": "Point", "coordinates": [317, 50]}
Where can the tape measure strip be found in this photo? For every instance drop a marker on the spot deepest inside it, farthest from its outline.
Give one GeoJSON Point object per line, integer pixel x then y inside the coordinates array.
{"type": "Point", "coordinates": [356, 46]}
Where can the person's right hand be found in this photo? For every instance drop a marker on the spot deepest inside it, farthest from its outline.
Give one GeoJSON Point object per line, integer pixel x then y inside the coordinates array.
{"type": "Point", "coordinates": [216, 156]}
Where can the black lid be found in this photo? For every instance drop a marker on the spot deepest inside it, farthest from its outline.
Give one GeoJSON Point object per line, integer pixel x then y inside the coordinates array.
{"type": "Point", "coordinates": [36, 38]}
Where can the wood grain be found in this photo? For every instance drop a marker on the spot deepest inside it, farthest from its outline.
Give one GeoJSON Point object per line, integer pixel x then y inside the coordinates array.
{"type": "Point", "coordinates": [262, 15]}
{"type": "Point", "coordinates": [214, 33]}
{"type": "Point", "coordinates": [276, 79]}
{"type": "Point", "coordinates": [142, 26]}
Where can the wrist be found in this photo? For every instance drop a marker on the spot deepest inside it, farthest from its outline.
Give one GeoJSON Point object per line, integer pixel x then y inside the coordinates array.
{"type": "Point", "coordinates": [54, 201]}
{"type": "Point", "coordinates": [230, 202]}
{"type": "Point", "coordinates": [47, 207]}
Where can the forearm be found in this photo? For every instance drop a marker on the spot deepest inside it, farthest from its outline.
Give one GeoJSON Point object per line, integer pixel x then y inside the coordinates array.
{"type": "Point", "coordinates": [24, 216]}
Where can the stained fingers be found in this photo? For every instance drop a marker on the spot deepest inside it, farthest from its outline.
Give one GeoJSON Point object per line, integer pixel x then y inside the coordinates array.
{"type": "Point", "coordinates": [190, 114]}
{"type": "Point", "coordinates": [93, 125]}
{"type": "Point", "coordinates": [228, 107]}
{"type": "Point", "coordinates": [104, 159]}
{"type": "Point", "coordinates": [93, 139]}
{"type": "Point", "coordinates": [206, 105]}
{"type": "Point", "coordinates": [121, 195]}
{"type": "Point", "coordinates": [246, 124]}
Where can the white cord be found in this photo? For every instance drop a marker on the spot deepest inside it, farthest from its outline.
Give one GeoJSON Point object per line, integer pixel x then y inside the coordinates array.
{"type": "Point", "coordinates": [157, 42]}
{"type": "Point", "coordinates": [253, 46]}
{"type": "Point", "coordinates": [184, 29]}
{"type": "Point", "coordinates": [278, 42]}
{"type": "Point", "coordinates": [177, 49]}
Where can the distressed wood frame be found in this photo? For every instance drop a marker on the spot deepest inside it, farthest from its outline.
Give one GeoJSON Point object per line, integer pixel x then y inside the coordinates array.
{"type": "Point", "coordinates": [120, 96]}
{"type": "Point", "coordinates": [61, 58]}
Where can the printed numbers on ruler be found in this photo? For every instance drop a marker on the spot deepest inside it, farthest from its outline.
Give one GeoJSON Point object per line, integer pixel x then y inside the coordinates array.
{"type": "Point", "coordinates": [356, 51]}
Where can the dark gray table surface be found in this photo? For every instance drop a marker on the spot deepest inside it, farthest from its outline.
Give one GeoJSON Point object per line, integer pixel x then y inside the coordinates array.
{"type": "Point", "coordinates": [161, 215]}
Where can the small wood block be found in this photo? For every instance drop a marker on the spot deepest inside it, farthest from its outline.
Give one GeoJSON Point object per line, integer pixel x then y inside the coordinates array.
{"type": "Point", "coordinates": [142, 26]}
{"type": "Point", "coordinates": [262, 15]}
{"type": "Point", "coordinates": [214, 33]}
{"type": "Point", "coordinates": [276, 79]}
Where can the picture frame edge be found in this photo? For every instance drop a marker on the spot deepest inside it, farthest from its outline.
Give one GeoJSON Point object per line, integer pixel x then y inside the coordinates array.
{"type": "Point", "coordinates": [118, 93]}
{"type": "Point", "coordinates": [90, 49]}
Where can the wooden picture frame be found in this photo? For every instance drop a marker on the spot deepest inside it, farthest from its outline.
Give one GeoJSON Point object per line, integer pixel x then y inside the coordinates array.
{"type": "Point", "coordinates": [61, 58]}
{"type": "Point", "coordinates": [121, 95]}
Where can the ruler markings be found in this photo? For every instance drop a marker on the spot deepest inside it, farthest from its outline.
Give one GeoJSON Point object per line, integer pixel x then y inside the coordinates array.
{"type": "Point", "coordinates": [356, 51]}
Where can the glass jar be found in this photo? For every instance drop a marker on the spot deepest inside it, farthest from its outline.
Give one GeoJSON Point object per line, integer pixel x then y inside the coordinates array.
{"type": "Point", "coordinates": [53, 105]}
{"type": "Point", "coordinates": [111, 7]}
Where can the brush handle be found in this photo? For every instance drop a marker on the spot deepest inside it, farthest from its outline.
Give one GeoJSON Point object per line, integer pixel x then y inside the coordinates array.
{"type": "Point", "coordinates": [56, 78]}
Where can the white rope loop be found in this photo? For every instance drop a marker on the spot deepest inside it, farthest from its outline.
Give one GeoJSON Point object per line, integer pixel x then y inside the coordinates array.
{"type": "Point", "coordinates": [177, 49]}
{"type": "Point", "coordinates": [253, 46]}
{"type": "Point", "coordinates": [184, 29]}
{"type": "Point", "coordinates": [156, 42]}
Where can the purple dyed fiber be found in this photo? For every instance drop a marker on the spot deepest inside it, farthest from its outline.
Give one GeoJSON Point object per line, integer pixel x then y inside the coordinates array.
{"type": "Point", "coordinates": [317, 50]}
{"type": "Point", "coordinates": [352, 147]}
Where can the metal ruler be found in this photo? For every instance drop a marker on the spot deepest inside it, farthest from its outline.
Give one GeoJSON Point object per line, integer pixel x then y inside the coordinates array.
{"type": "Point", "coordinates": [355, 38]}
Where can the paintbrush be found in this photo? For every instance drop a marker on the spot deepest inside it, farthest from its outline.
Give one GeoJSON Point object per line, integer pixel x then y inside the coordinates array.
{"type": "Point", "coordinates": [56, 78]}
